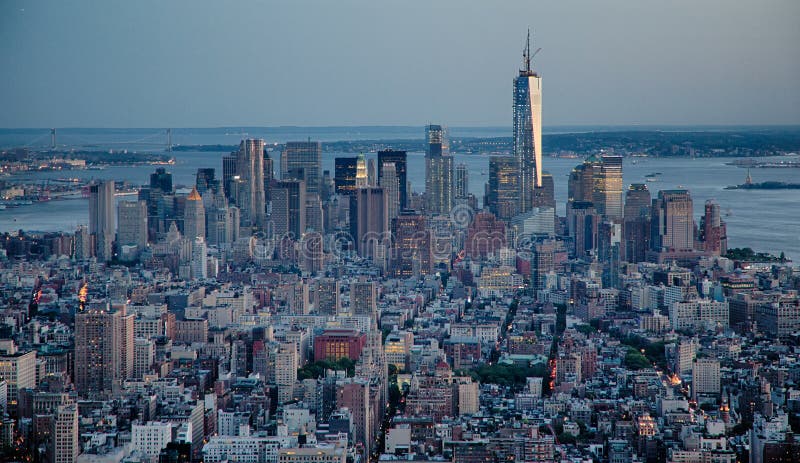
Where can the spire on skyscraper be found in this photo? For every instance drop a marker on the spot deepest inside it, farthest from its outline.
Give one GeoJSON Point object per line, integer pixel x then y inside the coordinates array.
{"type": "Point", "coordinates": [527, 57]}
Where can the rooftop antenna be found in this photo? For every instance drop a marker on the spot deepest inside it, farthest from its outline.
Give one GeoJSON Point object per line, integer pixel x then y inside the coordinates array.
{"type": "Point", "coordinates": [527, 56]}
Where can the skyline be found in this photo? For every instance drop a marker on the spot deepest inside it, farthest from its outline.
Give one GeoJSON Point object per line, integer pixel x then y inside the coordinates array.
{"type": "Point", "coordinates": [158, 71]}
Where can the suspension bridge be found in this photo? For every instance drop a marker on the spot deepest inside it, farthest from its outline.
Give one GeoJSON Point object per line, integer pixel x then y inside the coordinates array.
{"type": "Point", "coordinates": [77, 139]}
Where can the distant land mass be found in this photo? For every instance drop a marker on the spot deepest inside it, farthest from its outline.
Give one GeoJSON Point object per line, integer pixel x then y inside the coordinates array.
{"type": "Point", "coordinates": [765, 186]}
{"type": "Point", "coordinates": [657, 143]}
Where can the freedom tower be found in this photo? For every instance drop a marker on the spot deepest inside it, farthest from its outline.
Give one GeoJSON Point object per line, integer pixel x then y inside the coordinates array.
{"type": "Point", "coordinates": [528, 129]}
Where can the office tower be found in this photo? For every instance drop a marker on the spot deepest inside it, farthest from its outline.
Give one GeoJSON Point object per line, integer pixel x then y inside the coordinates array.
{"type": "Point", "coordinates": [461, 188]}
{"type": "Point", "coordinates": [132, 219]}
{"type": "Point", "coordinates": [194, 217]}
{"type": "Point", "coordinates": [328, 296]}
{"type": "Point", "coordinates": [101, 218]}
{"type": "Point", "coordinates": [160, 187]}
{"type": "Point", "coordinates": [399, 159]}
{"type": "Point", "coordinates": [269, 176]}
{"type": "Point", "coordinates": [314, 214]}
{"type": "Point", "coordinates": [305, 155]}
{"type": "Point", "coordinates": [369, 220]}
{"type": "Point", "coordinates": [672, 225]}
{"type": "Point", "coordinates": [607, 188]}
{"type": "Point", "coordinates": [503, 188]}
{"type": "Point", "coordinates": [250, 169]}
{"type": "Point", "coordinates": [223, 225]}
{"type": "Point", "coordinates": [344, 175]}
{"type": "Point", "coordinates": [289, 208]}
{"type": "Point", "coordinates": [713, 231]}
{"type": "Point", "coordinates": [65, 447]}
{"type": "Point", "coordinates": [528, 129]}
{"type": "Point", "coordinates": [103, 350]}
{"type": "Point", "coordinates": [411, 251]}
{"type": "Point", "coordinates": [18, 370]}
{"type": "Point", "coordinates": [485, 235]}
{"type": "Point", "coordinates": [363, 298]}
{"type": "Point", "coordinates": [582, 222]}
{"type": "Point", "coordinates": [545, 196]}
{"type": "Point", "coordinates": [580, 186]}
{"type": "Point", "coordinates": [609, 250]}
{"type": "Point", "coordinates": [637, 201]}
{"type": "Point", "coordinates": [205, 181]}
{"type": "Point", "coordinates": [636, 225]}
{"type": "Point", "coordinates": [542, 263]}
{"type": "Point", "coordinates": [438, 171]}
{"type": "Point", "coordinates": [372, 179]}
{"type": "Point", "coordinates": [391, 186]}
{"type": "Point", "coordinates": [362, 179]}
{"type": "Point", "coordinates": [230, 177]}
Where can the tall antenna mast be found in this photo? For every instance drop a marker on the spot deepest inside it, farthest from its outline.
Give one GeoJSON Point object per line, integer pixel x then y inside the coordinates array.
{"type": "Point", "coordinates": [527, 53]}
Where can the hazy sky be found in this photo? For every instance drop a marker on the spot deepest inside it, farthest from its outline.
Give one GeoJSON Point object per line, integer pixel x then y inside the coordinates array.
{"type": "Point", "coordinates": [148, 63]}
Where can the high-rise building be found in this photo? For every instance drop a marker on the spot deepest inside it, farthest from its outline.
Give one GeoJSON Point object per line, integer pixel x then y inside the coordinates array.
{"type": "Point", "coordinates": [223, 225]}
{"type": "Point", "coordinates": [438, 171]}
{"type": "Point", "coordinates": [636, 225]}
{"type": "Point", "coordinates": [485, 235]}
{"type": "Point", "coordinates": [705, 377]}
{"type": "Point", "coordinates": [390, 183]}
{"type": "Point", "coordinates": [230, 177]}
{"type": "Point", "coordinates": [103, 350]}
{"type": "Point", "coordinates": [672, 225]}
{"type": "Point", "coordinates": [353, 394]}
{"type": "Point", "coordinates": [198, 263]}
{"type": "Point", "coordinates": [411, 252]}
{"type": "Point", "coordinates": [545, 196]}
{"type": "Point", "coordinates": [250, 196]}
{"type": "Point", "coordinates": [132, 219]}
{"type": "Point", "coordinates": [582, 222]}
{"type": "Point", "coordinates": [502, 196]}
{"type": "Point", "coordinates": [328, 296]}
{"type": "Point", "coordinates": [362, 177]}
{"type": "Point", "coordinates": [370, 220]}
{"type": "Point", "coordinates": [286, 371]}
{"type": "Point", "coordinates": [269, 176]}
{"type": "Point", "coordinates": [344, 175]}
{"type": "Point", "coordinates": [158, 196]}
{"type": "Point", "coordinates": [65, 446]}
{"type": "Point", "coordinates": [637, 201]}
{"type": "Point", "coordinates": [607, 188]}
{"type": "Point", "coordinates": [194, 216]}
{"type": "Point", "coordinates": [363, 298]}
{"type": "Point", "coordinates": [289, 208]}
{"type": "Point", "coordinates": [18, 370]}
{"type": "Point", "coordinates": [399, 159]}
{"type": "Point", "coordinates": [542, 263]}
{"type": "Point", "coordinates": [461, 187]}
{"type": "Point", "coordinates": [609, 251]}
{"type": "Point", "coordinates": [528, 130]}
{"type": "Point", "coordinates": [205, 180]}
{"type": "Point", "coordinates": [713, 231]}
{"type": "Point", "coordinates": [305, 155]}
{"type": "Point", "coordinates": [101, 218]}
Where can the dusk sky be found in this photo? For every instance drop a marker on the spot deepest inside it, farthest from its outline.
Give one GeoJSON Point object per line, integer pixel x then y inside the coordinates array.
{"type": "Point", "coordinates": [321, 63]}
